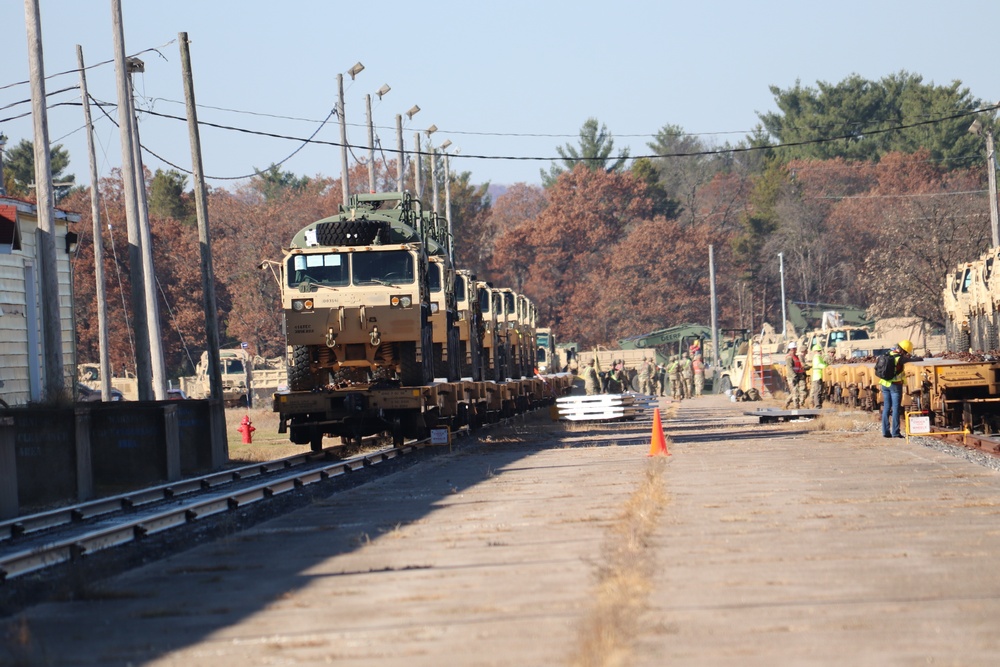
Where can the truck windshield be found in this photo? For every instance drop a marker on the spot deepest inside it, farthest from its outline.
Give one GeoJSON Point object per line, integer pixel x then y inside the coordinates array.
{"type": "Point", "coordinates": [230, 366]}
{"type": "Point", "coordinates": [391, 267]}
{"type": "Point", "coordinates": [434, 276]}
{"type": "Point", "coordinates": [484, 301]}
{"type": "Point", "coordinates": [460, 288]}
{"type": "Point", "coordinates": [508, 299]}
{"type": "Point", "coordinates": [328, 269]}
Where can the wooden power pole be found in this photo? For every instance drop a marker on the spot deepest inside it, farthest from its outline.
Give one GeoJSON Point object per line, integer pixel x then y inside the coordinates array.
{"type": "Point", "coordinates": [143, 364]}
{"type": "Point", "coordinates": [52, 352]}
{"type": "Point", "coordinates": [95, 213]}
{"type": "Point", "coordinates": [219, 444]}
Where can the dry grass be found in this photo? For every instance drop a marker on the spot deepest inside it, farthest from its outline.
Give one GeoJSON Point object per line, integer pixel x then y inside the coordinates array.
{"type": "Point", "coordinates": [851, 422]}
{"type": "Point", "coordinates": [606, 633]}
{"type": "Point", "coordinates": [267, 444]}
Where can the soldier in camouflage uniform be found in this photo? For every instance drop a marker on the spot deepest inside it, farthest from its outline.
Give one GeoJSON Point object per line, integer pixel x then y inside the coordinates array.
{"type": "Point", "coordinates": [687, 374]}
{"type": "Point", "coordinates": [795, 375]}
{"type": "Point", "coordinates": [644, 377]}
{"type": "Point", "coordinates": [676, 381]}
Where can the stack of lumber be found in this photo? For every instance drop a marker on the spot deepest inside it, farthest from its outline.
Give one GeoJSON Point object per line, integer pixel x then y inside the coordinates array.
{"type": "Point", "coordinates": [605, 407]}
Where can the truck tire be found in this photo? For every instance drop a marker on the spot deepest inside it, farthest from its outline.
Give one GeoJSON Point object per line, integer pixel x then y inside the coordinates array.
{"type": "Point", "coordinates": [300, 377]}
{"type": "Point", "coordinates": [351, 232]}
{"type": "Point", "coordinates": [411, 372]}
{"type": "Point", "coordinates": [455, 356]}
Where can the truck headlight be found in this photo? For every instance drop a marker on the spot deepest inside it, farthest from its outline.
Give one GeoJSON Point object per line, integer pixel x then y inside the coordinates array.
{"type": "Point", "coordinates": [400, 302]}
{"type": "Point", "coordinates": [302, 304]}
{"type": "Point", "coordinates": [434, 308]}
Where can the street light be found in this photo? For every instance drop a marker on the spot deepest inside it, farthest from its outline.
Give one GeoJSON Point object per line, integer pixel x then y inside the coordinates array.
{"type": "Point", "coordinates": [344, 178]}
{"type": "Point", "coordinates": [431, 130]}
{"type": "Point", "coordinates": [444, 146]}
{"type": "Point", "coordinates": [401, 162]}
{"type": "Point", "coordinates": [371, 136]}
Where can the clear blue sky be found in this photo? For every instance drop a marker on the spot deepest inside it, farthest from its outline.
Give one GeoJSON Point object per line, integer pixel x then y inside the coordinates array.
{"type": "Point", "coordinates": [511, 78]}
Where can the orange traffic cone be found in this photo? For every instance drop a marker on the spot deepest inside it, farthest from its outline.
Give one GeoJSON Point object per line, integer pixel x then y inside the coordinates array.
{"type": "Point", "coordinates": [658, 443]}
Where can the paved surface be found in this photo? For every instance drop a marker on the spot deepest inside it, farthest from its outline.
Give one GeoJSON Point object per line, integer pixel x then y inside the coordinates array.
{"type": "Point", "coordinates": [774, 546]}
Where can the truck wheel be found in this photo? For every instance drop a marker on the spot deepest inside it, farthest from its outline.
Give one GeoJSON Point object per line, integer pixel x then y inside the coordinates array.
{"type": "Point", "coordinates": [411, 372]}
{"type": "Point", "coordinates": [455, 356]}
{"type": "Point", "coordinates": [300, 377]}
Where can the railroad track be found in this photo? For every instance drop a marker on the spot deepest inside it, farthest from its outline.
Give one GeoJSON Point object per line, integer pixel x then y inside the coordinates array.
{"type": "Point", "coordinates": [32, 543]}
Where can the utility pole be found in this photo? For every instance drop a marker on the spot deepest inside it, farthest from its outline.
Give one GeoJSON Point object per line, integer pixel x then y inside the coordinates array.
{"type": "Point", "coordinates": [371, 145]}
{"type": "Point", "coordinates": [95, 214]}
{"type": "Point", "coordinates": [399, 150]}
{"type": "Point", "coordinates": [784, 317]}
{"type": "Point", "coordinates": [159, 370]}
{"type": "Point", "coordinates": [52, 352]}
{"type": "Point", "coordinates": [434, 177]}
{"type": "Point", "coordinates": [143, 367]}
{"type": "Point", "coordinates": [220, 448]}
{"type": "Point", "coordinates": [447, 208]}
{"type": "Point", "coordinates": [344, 179]}
{"type": "Point", "coordinates": [416, 165]}
{"type": "Point", "coordinates": [991, 165]}
{"type": "Point", "coordinates": [715, 317]}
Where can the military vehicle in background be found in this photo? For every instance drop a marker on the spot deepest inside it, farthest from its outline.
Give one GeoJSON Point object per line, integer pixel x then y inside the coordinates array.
{"type": "Point", "coordinates": [246, 379]}
{"type": "Point", "coordinates": [470, 325]}
{"type": "Point", "coordinates": [545, 354]}
{"type": "Point", "coordinates": [89, 375]}
{"type": "Point", "coordinates": [971, 298]}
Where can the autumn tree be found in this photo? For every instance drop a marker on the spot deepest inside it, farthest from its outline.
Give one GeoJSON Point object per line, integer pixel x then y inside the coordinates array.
{"type": "Point", "coordinates": [561, 256]}
{"type": "Point", "coordinates": [470, 213]}
{"type": "Point", "coordinates": [594, 152]}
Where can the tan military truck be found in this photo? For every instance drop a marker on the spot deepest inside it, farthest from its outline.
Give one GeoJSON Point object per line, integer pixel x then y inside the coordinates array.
{"type": "Point", "coordinates": [470, 325]}
{"type": "Point", "coordinates": [496, 347]}
{"type": "Point", "coordinates": [356, 297]}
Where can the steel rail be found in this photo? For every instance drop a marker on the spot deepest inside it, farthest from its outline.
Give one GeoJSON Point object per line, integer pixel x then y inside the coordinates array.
{"type": "Point", "coordinates": [112, 530]}
{"type": "Point", "coordinates": [30, 524]}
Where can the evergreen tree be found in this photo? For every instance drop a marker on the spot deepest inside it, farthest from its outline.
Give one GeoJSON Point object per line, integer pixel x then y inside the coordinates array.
{"type": "Point", "coordinates": [594, 151]}
{"type": "Point", "coordinates": [19, 169]}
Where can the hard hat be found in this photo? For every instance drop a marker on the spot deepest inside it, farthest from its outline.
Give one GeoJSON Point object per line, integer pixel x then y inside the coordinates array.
{"type": "Point", "coordinates": [906, 345]}
{"type": "Point", "coordinates": [817, 347]}
{"type": "Point", "coordinates": [792, 345]}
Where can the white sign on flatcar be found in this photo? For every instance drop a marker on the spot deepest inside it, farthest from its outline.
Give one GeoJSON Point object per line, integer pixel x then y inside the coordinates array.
{"type": "Point", "coordinates": [920, 424]}
{"type": "Point", "coordinates": [440, 436]}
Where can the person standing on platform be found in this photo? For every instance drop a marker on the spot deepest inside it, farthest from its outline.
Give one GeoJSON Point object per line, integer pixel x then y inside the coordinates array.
{"type": "Point", "coordinates": [698, 366]}
{"type": "Point", "coordinates": [795, 375]}
{"type": "Point", "coordinates": [892, 391]}
{"type": "Point", "coordinates": [818, 364]}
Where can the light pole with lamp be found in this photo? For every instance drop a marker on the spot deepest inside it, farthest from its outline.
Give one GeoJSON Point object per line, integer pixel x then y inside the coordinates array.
{"type": "Point", "coordinates": [400, 166]}
{"type": "Point", "coordinates": [781, 270]}
{"type": "Point", "coordinates": [371, 135]}
{"type": "Point", "coordinates": [447, 197]}
{"type": "Point", "coordinates": [344, 179]}
{"type": "Point", "coordinates": [434, 181]}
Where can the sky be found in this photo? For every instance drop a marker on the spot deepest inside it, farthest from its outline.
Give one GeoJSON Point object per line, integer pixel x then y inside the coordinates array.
{"type": "Point", "coordinates": [503, 81]}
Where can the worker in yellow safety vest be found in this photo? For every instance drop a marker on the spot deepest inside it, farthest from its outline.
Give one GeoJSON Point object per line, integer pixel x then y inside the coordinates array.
{"type": "Point", "coordinates": [818, 364]}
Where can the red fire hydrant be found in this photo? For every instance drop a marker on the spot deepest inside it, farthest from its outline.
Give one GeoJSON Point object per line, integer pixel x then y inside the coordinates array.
{"type": "Point", "coordinates": [247, 429]}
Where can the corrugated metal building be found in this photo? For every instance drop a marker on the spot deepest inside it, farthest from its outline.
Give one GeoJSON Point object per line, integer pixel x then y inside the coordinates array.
{"type": "Point", "coordinates": [21, 339]}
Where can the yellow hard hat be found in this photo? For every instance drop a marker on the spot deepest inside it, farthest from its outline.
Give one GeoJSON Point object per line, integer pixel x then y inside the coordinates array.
{"type": "Point", "coordinates": [817, 347]}
{"type": "Point", "coordinates": [906, 346]}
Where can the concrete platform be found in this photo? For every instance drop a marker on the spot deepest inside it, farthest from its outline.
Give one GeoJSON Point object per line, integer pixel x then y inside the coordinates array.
{"type": "Point", "coordinates": [774, 545]}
